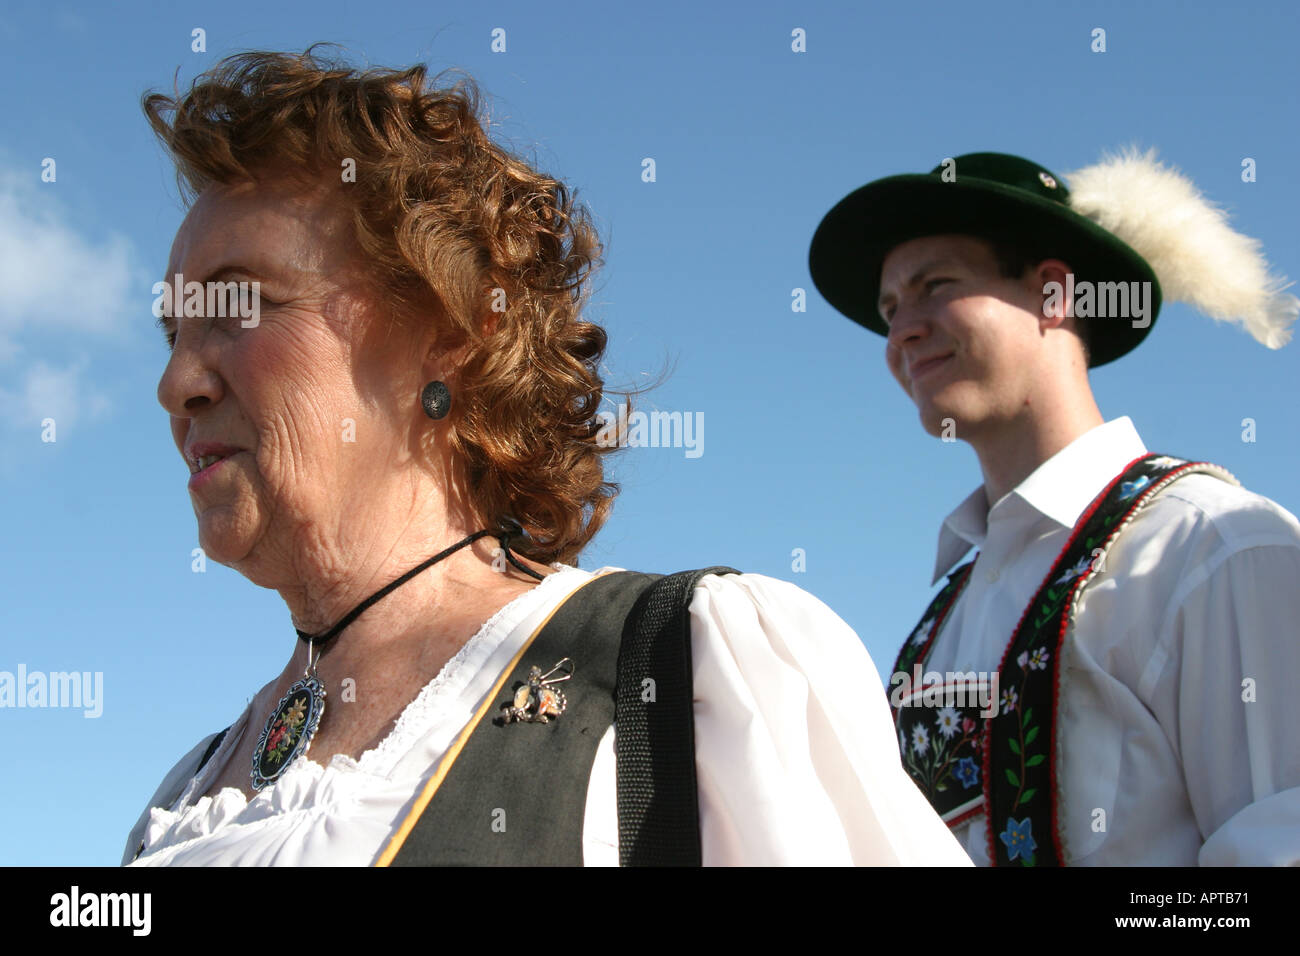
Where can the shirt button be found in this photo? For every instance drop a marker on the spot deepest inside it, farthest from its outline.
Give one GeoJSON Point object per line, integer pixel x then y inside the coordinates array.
{"type": "Point", "coordinates": [992, 575]}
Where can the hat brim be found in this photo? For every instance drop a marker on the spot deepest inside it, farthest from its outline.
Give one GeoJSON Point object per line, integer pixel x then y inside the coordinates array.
{"type": "Point", "coordinates": [853, 239]}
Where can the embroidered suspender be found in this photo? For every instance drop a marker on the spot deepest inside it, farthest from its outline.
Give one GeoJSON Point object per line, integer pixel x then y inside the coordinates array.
{"type": "Point", "coordinates": [1013, 754]}
{"type": "Point", "coordinates": [946, 768]}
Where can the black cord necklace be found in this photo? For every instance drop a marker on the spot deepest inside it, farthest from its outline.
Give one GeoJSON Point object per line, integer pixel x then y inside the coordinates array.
{"type": "Point", "coordinates": [289, 731]}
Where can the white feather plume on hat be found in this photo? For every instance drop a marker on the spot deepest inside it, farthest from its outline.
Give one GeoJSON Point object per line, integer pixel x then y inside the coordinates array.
{"type": "Point", "coordinates": [1197, 257]}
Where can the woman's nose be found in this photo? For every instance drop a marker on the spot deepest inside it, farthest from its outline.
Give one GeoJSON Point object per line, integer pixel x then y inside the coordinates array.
{"type": "Point", "coordinates": [189, 379]}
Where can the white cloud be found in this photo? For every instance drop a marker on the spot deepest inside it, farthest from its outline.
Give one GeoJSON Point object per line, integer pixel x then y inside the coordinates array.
{"type": "Point", "coordinates": [57, 393]}
{"type": "Point", "coordinates": [54, 276]}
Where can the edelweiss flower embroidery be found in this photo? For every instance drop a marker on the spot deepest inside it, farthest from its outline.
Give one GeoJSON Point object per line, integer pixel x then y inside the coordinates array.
{"type": "Point", "coordinates": [922, 631]}
{"type": "Point", "coordinates": [1164, 461]}
{"type": "Point", "coordinates": [1071, 573]}
{"type": "Point", "coordinates": [947, 720]}
{"type": "Point", "coordinates": [920, 739]}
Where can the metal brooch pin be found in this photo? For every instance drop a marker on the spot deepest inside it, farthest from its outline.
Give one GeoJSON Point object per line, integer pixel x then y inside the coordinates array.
{"type": "Point", "coordinates": [537, 701]}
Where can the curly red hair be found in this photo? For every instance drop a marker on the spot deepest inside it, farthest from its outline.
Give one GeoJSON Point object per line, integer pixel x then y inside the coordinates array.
{"type": "Point", "coordinates": [445, 218]}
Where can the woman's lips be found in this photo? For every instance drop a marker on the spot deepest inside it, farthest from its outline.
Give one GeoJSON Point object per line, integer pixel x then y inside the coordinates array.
{"type": "Point", "coordinates": [201, 478]}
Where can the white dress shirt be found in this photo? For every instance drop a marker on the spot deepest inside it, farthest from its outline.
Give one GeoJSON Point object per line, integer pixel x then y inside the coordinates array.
{"type": "Point", "coordinates": [795, 753]}
{"type": "Point", "coordinates": [1179, 721]}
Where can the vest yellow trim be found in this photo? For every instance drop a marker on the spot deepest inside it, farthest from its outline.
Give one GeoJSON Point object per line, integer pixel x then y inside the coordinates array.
{"type": "Point", "coordinates": [449, 758]}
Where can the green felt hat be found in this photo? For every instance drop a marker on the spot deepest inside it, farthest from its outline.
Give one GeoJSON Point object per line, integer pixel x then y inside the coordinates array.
{"type": "Point", "coordinates": [990, 195]}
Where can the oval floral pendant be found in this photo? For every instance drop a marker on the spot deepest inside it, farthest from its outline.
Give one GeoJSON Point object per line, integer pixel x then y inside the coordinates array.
{"type": "Point", "coordinates": [288, 733]}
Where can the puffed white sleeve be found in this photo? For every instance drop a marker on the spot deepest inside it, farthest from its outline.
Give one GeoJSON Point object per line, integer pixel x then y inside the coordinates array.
{"type": "Point", "coordinates": [795, 751]}
{"type": "Point", "coordinates": [171, 787]}
{"type": "Point", "coordinates": [1238, 710]}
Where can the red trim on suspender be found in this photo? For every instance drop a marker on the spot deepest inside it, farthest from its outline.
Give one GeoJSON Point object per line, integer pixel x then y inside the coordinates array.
{"type": "Point", "coordinates": [1079, 525]}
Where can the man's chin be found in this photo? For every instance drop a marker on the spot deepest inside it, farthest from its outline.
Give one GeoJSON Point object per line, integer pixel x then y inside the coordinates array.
{"type": "Point", "coordinates": [938, 421]}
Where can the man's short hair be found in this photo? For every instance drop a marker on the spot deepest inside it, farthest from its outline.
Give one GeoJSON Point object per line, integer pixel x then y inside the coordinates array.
{"type": "Point", "coordinates": [1014, 260]}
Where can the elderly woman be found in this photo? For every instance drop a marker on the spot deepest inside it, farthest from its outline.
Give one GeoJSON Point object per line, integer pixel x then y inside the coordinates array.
{"type": "Point", "coordinates": [402, 440]}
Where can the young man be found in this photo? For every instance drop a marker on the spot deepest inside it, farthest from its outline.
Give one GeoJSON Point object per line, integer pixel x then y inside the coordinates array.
{"type": "Point", "coordinates": [1110, 680]}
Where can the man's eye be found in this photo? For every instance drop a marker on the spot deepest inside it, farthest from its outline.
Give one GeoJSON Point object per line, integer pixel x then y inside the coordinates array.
{"type": "Point", "coordinates": [931, 283]}
{"type": "Point", "coordinates": [169, 336]}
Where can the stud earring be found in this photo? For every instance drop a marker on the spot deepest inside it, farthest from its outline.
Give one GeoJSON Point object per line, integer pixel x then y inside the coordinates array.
{"type": "Point", "coordinates": [436, 400]}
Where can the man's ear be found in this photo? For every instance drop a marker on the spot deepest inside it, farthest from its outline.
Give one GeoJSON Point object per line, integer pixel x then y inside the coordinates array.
{"type": "Point", "coordinates": [1053, 281]}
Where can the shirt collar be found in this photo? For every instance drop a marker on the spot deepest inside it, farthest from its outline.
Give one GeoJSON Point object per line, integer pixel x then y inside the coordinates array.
{"type": "Point", "coordinates": [1059, 489]}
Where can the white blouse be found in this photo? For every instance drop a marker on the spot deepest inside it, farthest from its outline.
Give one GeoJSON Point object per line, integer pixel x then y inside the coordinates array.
{"type": "Point", "coordinates": [796, 757]}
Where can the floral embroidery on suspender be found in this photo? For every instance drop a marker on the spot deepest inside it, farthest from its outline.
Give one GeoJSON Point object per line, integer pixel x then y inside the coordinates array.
{"type": "Point", "coordinates": [939, 746]}
{"type": "Point", "coordinates": [1019, 760]}
{"type": "Point", "coordinates": [922, 637]}
{"type": "Point", "coordinates": [1008, 756]}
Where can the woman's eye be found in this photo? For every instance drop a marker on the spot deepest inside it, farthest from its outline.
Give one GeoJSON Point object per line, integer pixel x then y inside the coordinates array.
{"type": "Point", "coordinates": [930, 284]}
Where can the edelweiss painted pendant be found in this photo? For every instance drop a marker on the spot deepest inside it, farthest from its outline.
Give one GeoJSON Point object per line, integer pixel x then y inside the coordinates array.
{"type": "Point", "coordinates": [537, 701]}
{"type": "Point", "coordinates": [287, 735]}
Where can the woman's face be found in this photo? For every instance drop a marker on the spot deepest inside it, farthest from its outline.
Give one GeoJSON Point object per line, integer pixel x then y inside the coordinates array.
{"type": "Point", "coordinates": [318, 396]}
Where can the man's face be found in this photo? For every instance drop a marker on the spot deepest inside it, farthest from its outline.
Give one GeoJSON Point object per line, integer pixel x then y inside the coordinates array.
{"type": "Point", "coordinates": [964, 342]}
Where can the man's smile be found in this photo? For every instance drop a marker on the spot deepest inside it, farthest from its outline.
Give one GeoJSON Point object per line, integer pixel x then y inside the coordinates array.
{"type": "Point", "coordinates": [920, 367]}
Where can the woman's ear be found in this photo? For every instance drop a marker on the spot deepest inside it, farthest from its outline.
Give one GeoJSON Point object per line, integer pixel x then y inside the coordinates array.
{"type": "Point", "coordinates": [443, 364]}
{"type": "Point", "coordinates": [496, 305]}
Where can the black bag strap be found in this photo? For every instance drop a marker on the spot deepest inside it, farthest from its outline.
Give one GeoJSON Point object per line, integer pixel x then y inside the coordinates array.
{"type": "Point", "coordinates": [515, 794]}
{"type": "Point", "coordinates": [212, 748]}
{"type": "Point", "coordinates": [207, 755]}
{"type": "Point", "coordinates": [654, 727]}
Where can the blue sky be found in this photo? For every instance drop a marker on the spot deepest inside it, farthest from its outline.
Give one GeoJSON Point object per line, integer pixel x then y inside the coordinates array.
{"type": "Point", "coordinates": [808, 443]}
